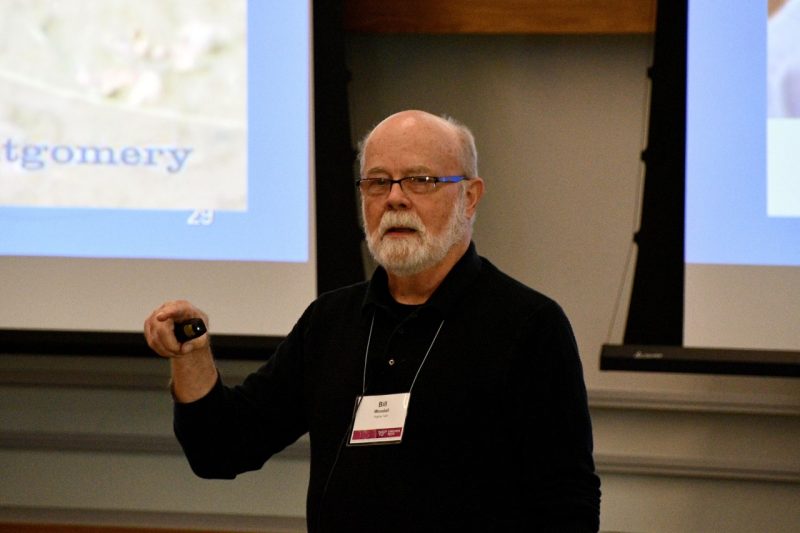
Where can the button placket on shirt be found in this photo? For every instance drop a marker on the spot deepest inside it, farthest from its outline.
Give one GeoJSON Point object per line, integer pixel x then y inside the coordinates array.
{"type": "Point", "coordinates": [403, 352]}
{"type": "Point", "coordinates": [394, 361]}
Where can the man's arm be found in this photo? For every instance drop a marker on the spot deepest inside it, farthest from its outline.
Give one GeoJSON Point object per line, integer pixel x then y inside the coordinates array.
{"type": "Point", "coordinates": [225, 431]}
{"type": "Point", "coordinates": [193, 370]}
{"type": "Point", "coordinates": [566, 487]}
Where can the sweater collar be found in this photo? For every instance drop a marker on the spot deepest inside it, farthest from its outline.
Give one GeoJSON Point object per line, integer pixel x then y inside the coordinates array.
{"type": "Point", "coordinates": [446, 296]}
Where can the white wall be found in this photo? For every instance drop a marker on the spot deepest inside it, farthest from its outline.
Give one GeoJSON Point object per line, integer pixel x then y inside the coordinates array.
{"type": "Point", "coordinates": [560, 123]}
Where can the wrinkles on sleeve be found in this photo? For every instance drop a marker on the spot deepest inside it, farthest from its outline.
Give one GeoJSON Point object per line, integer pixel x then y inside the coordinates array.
{"type": "Point", "coordinates": [237, 429]}
{"type": "Point", "coordinates": [562, 482]}
{"type": "Point", "coordinates": [199, 428]}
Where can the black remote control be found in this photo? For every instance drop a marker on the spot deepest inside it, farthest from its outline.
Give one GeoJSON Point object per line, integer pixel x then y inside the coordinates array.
{"type": "Point", "coordinates": [189, 329]}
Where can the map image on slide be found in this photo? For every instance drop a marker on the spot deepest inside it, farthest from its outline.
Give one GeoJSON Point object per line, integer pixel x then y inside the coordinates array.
{"type": "Point", "coordinates": [124, 104]}
{"type": "Point", "coordinates": [783, 108]}
{"type": "Point", "coordinates": [742, 153]}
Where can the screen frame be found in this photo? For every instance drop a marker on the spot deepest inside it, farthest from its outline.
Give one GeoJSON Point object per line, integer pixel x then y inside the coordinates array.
{"type": "Point", "coordinates": [338, 231]}
{"type": "Point", "coordinates": [653, 339]}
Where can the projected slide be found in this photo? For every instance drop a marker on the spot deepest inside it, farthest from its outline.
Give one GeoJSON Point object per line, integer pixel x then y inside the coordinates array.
{"type": "Point", "coordinates": [165, 129]}
{"type": "Point", "coordinates": [742, 192]}
{"type": "Point", "coordinates": [783, 109]}
{"type": "Point", "coordinates": [125, 104]}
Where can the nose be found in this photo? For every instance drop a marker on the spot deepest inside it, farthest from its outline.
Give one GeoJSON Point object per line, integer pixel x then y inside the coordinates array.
{"type": "Point", "coordinates": [397, 197]}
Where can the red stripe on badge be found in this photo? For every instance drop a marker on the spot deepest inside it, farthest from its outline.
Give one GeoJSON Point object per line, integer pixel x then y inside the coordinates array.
{"type": "Point", "coordinates": [367, 434]}
{"type": "Point", "coordinates": [364, 434]}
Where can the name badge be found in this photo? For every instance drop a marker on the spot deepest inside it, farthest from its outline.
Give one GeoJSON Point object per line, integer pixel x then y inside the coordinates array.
{"type": "Point", "coordinates": [379, 419]}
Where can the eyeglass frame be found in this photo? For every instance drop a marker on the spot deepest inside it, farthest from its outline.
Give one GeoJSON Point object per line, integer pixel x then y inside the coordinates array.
{"type": "Point", "coordinates": [430, 179]}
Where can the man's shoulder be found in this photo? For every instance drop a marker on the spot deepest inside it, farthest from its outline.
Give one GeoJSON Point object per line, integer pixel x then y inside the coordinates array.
{"type": "Point", "coordinates": [510, 292]}
{"type": "Point", "coordinates": [333, 307]}
{"type": "Point", "coordinates": [343, 297]}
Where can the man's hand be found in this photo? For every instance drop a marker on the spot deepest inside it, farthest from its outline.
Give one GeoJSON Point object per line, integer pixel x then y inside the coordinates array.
{"type": "Point", "coordinates": [194, 373]}
{"type": "Point", "coordinates": [159, 329]}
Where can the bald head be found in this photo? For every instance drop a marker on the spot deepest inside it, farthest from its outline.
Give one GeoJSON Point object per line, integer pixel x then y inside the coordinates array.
{"type": "Point", "coordinates": [443, 134]}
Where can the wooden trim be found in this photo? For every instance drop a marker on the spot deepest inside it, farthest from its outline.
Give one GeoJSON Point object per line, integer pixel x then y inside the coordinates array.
{"type": "Point", "coordinates": [70, 528]}
{"type": "Point", "coordinates": [703, 402]}
{"type": "Point", "coordinates": [500, 16]}
{"type": "Point", "coordinates": [606, 463]}
{"type": "Point", "coordinates": [49, 441]}
{"type": "Point", "coordinates": [68, 520]}
{"type": "Point", "coordinates": [682, 467]}
{"type": "Point", "coordinates": [57, 373]}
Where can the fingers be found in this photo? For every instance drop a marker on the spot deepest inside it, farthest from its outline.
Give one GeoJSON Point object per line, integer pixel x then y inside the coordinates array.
{"type": "Point", "coordinates": [177, 310]}
{"type": "Point", "coordinates": [194, 345]}
{"type": "Point", "coordinates": [159, 329]}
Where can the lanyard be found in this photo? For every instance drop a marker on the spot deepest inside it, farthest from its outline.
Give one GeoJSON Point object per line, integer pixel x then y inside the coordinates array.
{"type": "Point", "coordinates": [366, 357]}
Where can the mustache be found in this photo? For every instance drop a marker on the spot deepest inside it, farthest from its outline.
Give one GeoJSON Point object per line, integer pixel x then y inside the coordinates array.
{"type": "Point", "coordinates": [399, 219]}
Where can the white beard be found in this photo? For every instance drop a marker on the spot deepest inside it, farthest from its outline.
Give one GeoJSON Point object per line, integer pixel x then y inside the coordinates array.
{"type": "Point", "coordinates": [421, 249]}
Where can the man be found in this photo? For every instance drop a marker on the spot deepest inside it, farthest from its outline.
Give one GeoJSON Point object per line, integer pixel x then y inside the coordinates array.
{"type": "Point", "coordinates": [440, 396]}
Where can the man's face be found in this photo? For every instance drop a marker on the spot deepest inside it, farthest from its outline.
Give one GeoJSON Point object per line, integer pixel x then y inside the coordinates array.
{"type": "Point", "coordinates": [408, 233]}
{"type": "Point", "coordinates": [404, 246]}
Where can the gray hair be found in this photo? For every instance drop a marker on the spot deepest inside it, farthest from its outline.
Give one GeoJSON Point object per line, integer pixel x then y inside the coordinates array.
{"type": "Point", "coordinates": [468, 156]}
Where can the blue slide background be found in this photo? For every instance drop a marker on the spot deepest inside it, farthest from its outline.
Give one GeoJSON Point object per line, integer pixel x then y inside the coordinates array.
{"type": "Point", "coordinates": [275, 226]}
{"type": "Point", "coordinates": [726, 183]}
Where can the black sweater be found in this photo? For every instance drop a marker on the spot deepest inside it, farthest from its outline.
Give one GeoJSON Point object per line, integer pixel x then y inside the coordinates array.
{"type": "Point", "coordinates": [497, 437]}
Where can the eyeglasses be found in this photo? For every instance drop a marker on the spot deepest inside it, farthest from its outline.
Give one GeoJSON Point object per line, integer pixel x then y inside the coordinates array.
{"type": "Point", "coordinates": [409, 184]}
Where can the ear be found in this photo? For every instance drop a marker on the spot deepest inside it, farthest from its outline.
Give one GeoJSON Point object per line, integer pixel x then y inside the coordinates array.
{"type": "Point", "coordinates": [474, 193]}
